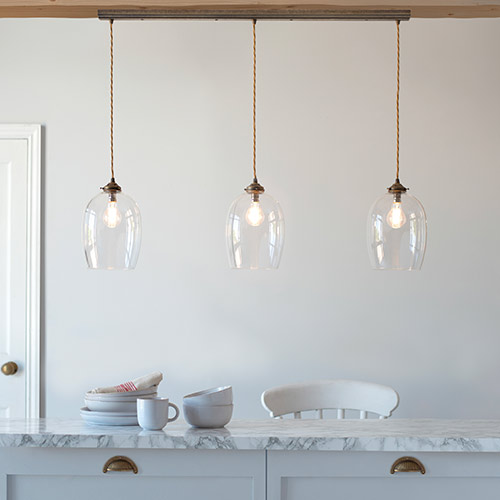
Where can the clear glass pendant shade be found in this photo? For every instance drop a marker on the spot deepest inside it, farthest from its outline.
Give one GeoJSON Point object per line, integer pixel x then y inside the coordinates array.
{"type": "Point", "coordinates": [112, 232]}
{"type": "Point", "coordinates": [255, 232]}
{"type": "Point", "coordinates": [397, 232]}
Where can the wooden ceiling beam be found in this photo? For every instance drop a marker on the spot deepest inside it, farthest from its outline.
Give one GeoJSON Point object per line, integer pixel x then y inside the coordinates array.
{"type": "Point", "coordinates": [89, 8]}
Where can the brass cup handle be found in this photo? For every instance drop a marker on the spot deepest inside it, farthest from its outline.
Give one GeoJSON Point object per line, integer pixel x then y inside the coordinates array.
{"type": "Point", "coordinates": [120, 464]}
{"type": "Point", "coordinates": [9, 368]}
{"type": "Point", "coordinates": [408, 464]}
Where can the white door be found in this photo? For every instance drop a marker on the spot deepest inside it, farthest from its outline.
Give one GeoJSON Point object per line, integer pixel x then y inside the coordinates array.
{"type": "Point", "coordinates": [19, 270]}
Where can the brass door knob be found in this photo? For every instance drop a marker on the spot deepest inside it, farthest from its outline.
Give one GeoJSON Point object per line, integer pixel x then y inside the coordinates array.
{"type": "Point", "coordinates": [9, 368]}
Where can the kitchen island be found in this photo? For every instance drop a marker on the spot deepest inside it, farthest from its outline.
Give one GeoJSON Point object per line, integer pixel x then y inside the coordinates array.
{"type": "Point", "coordinates": [251, 459]}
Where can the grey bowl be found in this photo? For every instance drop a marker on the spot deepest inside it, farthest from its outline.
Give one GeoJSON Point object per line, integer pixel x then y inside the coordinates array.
{"type": "Point", "coordinates": [209, 417]}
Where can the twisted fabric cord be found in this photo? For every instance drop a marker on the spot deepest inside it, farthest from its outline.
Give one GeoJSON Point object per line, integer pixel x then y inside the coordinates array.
{"type": "Point", "coordinates": [397, 108]}
{"type": "Point", "coordinates": [111, 97]}
{"type": "Point", "coordinates": [254, 22]}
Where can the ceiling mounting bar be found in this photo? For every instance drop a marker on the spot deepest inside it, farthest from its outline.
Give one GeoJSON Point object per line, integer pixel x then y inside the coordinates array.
{"type": "Point", "coordinates": [278, 13]}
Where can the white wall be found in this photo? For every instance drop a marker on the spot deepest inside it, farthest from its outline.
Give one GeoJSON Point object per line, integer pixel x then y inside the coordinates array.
{"type": "Point", "coordinates": [326, 128]}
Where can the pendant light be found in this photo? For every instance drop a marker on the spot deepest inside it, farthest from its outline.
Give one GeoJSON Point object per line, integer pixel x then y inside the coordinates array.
{"type": "Point", "coordinates": [397, 224]}
{"type": "Point", "coordinates": [112, 220]}
{"type": "Point", "coordinates": [255, 228]}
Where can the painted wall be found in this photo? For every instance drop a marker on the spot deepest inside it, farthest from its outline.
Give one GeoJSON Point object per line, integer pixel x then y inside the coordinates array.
{"type": "Point", "coordinates": [326, 150]}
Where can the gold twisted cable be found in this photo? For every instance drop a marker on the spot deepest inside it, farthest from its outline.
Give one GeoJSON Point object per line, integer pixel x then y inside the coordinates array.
{"type": "Point", "coordinates": [397, 107]}
{"type": "Point", "coordinates": [254, 22]}
{"type": "Point", "coordinates": [111, 97]}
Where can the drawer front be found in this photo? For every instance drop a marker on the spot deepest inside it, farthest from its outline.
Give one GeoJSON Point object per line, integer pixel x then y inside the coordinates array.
{"type": "Point", "coordinates": [76, 474]}
{"type": "Point", "coordinates": [355, 475]}
{"type": "Point", "coordinates": [390, 489]}
{"type": "Point", "coordinates": [59, 487]}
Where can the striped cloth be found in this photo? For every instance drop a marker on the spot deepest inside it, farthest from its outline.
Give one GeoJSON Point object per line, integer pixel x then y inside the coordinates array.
{"type": "Point", "coordinates": [138, 384]}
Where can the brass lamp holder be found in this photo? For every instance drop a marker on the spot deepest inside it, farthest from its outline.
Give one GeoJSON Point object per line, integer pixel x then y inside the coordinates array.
{"type": "Point", "coordinates": [255, 189]}
{"type": "Point", "coordinates": [111, 188]}
{"type": "Point", "coordinates": [397, 189]}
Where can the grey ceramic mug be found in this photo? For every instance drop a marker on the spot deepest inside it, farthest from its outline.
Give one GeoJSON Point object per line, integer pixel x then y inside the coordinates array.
{"type": "Point", "coordinates": [152, 413]}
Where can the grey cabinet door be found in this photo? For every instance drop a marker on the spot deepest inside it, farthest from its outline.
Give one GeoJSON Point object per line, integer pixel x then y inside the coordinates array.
{"type": "Point", "coordinates": [76, 474]}
{"type": "Point", "coordinates": [322, 475]}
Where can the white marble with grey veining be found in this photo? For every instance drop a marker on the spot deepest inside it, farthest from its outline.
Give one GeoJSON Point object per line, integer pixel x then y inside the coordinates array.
{"type": "Point", "coordinates": [406, 435]}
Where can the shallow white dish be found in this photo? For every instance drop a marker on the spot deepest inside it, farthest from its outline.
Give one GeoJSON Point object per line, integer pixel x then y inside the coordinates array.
{"type": "Point", "coordinates": [210, 417]}
{"type": "Point", "coordinates": [115, 396]}
{"type": "Point", "coordinates": [111, 406]}
{"type": "Point", "coordinates": [107, 418]}
{"type": "Point", "coordinates": [214, 396]}
{"type": "Point", "coordinates": [121, 400]}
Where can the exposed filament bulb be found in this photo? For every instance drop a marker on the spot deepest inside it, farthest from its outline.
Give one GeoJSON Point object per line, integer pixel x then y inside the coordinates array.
{"type": "Point", "coordinates": [112, 216]}
{"type": "Point", "coordinates": [396, 217]}
{"type": "Point", "coordinates": [255, 214]}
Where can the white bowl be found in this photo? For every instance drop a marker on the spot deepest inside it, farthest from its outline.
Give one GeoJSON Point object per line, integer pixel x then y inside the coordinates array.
{"type": "Point", "coordinates": [210, 397]}
{"type": "Point", "coordinates": [211, 417]}
{"type": "Point", "coordinates": [200, 404]}
{"type": "Point", "coordinates": [114, 406]}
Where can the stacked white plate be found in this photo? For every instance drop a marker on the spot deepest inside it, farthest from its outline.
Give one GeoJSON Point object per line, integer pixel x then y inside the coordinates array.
{"type": "Point", "coordinates": [114, 408]}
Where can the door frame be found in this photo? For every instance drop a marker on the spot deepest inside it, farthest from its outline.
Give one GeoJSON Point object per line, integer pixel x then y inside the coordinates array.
{"type": "Point", "coordinates": [32, 134]}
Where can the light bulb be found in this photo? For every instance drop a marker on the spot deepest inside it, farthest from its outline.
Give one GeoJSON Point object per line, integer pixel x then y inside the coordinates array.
{"type": "Point", "coordinates": [396, 217]}
{"type": "Point", "coordinates": [254, 215]}
{"type": "Point", "coordinates": [112, 216]}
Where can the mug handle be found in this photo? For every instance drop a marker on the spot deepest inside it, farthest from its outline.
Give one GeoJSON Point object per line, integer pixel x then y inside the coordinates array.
{"type": "Point", "coordinates": [176, 412]}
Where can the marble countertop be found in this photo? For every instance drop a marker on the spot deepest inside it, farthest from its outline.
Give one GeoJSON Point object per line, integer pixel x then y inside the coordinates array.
{"type": "Point", "coordinates": [332, 435]}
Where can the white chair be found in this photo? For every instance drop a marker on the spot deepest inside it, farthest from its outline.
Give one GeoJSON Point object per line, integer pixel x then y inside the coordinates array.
{"type": "Point", "coordinates": [330, 394]}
